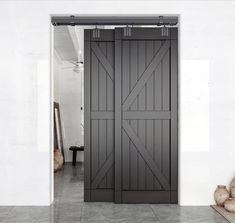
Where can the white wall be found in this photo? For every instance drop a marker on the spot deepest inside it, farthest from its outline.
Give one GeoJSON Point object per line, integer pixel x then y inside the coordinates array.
{"type": "Point", "coordinates": [67, 92]}
{"type": "Point", "coordinates": [207, 33]}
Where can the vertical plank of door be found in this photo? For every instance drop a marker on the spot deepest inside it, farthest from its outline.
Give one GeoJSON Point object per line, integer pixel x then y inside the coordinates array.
{"type": "Point", "coordinates": [157, 107]}
{"type": "Point", "coordinates": [110, 147]}
{"type": "Point", "coordinates": [166, 81]}
{"type": "Point", "coordinates": [157, 80]}
{"type": "Point", "coordinates": [166, 148]}
{"type": "Point", "coordinates": [94, 148]}
{"type": "Point", "coordinates": [94, 83]}
{"type": "Point", "coordinates": [94, 107]}
{"type": "Point", "coordinates": [102, 148]}
{"type": "Point", "coordinates": [87, 163]}
{"type": "Point", "coordinates": [110, 107]}
{"type": "Point", "coordinates": [125, 139]}
{"type": "Point", "coordinates": [118, 119]}
{"type": "Point", "coordinates": [102, 107]}
{"type": "Point", "coordinates": [141, 107]}
{"type": "Point", "coordinates": [149, 107]}
{"type": "Point", "coordinates": [166, 107]}
{"type": "Point", "coordinates": [174, 121]}
{"type": "Point", "coordinates": [158, 149]}
{"type": "Point", "coordinates": [133, 123]}
{"type": "Point", "coordinates": [110, 83]}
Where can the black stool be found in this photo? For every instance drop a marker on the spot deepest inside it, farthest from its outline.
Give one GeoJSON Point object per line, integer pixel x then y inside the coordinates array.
{"type": "Point", "coordinates": [75, 149]}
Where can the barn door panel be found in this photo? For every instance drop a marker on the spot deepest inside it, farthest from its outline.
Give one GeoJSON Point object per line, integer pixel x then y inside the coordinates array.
{"type": "Point", "coordinates": [131, 116]}
{"type": "Point", "coordinates": [145, 116]}
{"type": "Point", "coordinates": [99, 116]}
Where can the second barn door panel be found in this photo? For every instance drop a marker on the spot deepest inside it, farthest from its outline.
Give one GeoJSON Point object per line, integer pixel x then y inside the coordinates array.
{"type": "Point", "coordinates": [145, 116]}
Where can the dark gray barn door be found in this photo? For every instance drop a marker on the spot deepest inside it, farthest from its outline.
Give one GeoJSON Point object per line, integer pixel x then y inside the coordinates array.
{"type": "Point", "coordinates": [131, 116]}
{"type": "Point", "coordinates": [99, 116]}
{"type": "Point", "coordinates": [146, 116]}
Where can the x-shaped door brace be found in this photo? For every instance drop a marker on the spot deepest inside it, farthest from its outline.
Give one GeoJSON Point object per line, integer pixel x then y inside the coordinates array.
{"type": "Point", "coordinates": [134, 115]}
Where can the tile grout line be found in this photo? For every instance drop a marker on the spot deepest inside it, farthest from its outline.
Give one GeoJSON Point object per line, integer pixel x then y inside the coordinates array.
{"type": "Point", "coordinates": [154, 214]}
{"type": "Point", "coordinates": [81, 213]}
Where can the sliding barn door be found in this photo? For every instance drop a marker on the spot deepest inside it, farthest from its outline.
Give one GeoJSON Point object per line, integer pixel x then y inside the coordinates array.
{"type": "Point", "coordinates": [146, 116]}
{"type": "Point", "coordinates": [99, 115]}
{"type": "Point", "coordinates": [131, 116]}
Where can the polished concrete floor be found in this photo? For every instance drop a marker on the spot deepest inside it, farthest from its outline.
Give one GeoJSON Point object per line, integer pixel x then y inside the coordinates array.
{"type": "Point", "coordinates": [69, 207]}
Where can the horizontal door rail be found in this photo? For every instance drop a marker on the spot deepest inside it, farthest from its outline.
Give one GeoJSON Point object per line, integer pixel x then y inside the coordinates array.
{"type": "Point", "coordinates": [146, 115]}
{"type": "Point", "coordinates": [102, 115]}
{"type": "Point", "coordinates": [114, 20]}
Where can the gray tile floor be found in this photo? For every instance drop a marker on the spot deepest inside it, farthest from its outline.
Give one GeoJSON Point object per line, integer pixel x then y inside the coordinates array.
{"type": "Point", "coordinates": [69, 207]}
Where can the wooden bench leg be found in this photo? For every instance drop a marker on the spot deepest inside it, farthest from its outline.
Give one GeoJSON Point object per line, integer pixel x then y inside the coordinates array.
{"type": "Point", "coordinates": [74, 158]}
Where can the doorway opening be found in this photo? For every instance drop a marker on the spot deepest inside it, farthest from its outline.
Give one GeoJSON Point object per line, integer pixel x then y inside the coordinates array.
{"type": "Point", "coordinates": [115, 99]}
